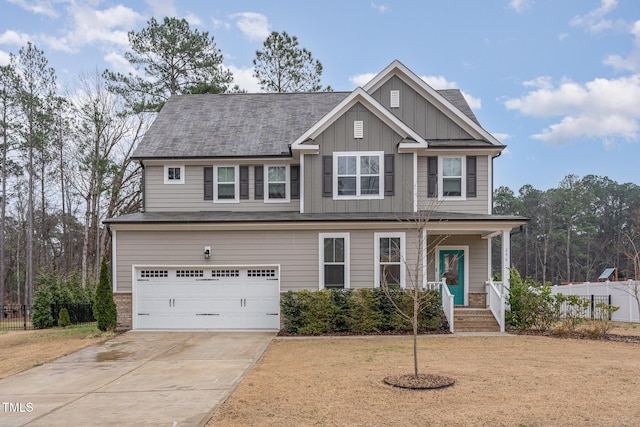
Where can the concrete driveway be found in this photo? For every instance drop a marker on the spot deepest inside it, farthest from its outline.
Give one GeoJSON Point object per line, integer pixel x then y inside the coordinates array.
{"type": "Point", "coordinates": [138, 378]}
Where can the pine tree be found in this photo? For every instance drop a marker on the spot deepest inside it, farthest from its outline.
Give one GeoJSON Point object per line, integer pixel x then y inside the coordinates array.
{"type": "Point", "coordinates": [104, 308]}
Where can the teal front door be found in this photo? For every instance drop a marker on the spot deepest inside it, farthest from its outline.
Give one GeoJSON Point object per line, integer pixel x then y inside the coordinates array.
{"type": "Point", "coordinates": [452, 268]}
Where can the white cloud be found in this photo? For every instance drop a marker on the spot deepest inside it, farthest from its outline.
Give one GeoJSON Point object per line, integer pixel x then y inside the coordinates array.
{"type": "Point", "coordinates": [11, 37]}
{"type": "Point", "coordinates": [362, 79]}
{"type": "Point", "coordinates": [382, 8]}
{"type": "Point", "coordinates": [193, 19]}
{"type": "Point", "coordinates": [4, 58]}
{"type": "Point", "coordinates": [439, 82]}
{"type": "Point", "coordinates": [94, 26]}
{"type": "Point", "coordinates": [43, 7]}
{"type": "Point", "coordinates": [254, 26]}
{"type": "Point", "coordinates": [119, 64]}
{"type": "Point", "coordinates": [217, 23]}
{"type": "Point", "coordinates": [601, 108]}
{"type": "Point", "coordinates": [162, 8]}
{"type": "Point", "coordinates": [595, 21]}
{"type": "Point", "coordinates": [520, 5]}
{"type": "Point", "coordinates": [631, 62]}
{"type": "Point", "coordinates": [243, 77]}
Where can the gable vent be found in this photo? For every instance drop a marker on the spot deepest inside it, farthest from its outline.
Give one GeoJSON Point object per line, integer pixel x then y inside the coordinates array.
{"type": "Point", "coordinates": [395, 99]}
{"type": "Point", "coordinates": [358, 129]}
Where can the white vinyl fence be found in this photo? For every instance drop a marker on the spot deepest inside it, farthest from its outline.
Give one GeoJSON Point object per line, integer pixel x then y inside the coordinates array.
{"type": "Point", "coordinates": [622, 295]}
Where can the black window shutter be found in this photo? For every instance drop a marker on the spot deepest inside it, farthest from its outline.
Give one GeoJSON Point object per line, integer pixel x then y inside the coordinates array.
{"type": "Point", "coordinates": [208, 183]}
{"type": "Point", "coordinates": [259, 182]}
{"type": "Point", "coordinates": [471, 176]}
{"type": "Point", "coordinates": [389, 183]}
{"type": "Point", "coordinates": [432, 176]}
{"type": "Point", "coordinates": [327, 176]}
{"type": "Point", "coordinates": [294, 172]}
{"type": "Point", "coordinates": [244, 182]}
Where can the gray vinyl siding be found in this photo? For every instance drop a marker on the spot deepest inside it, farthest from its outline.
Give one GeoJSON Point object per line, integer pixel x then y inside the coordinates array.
{"type": "Point", "coordinates": [339, 138]}
{"type": "Point", "coordinates": [478, 204]}
{"type": "Point", "coordinates": [187, 197]}
{"type": "Point", "coordinates": [420, 115]}
{"type": "Point", "coordinates": [477, 257]}
{"type": "Point", "coordinates": [297, 252]}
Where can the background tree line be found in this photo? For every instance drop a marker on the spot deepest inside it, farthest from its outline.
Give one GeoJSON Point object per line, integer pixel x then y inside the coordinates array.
{"type": "Point", "coordinates": [66, 157]}
{"type": "Point", "coordinates": [576, 230]}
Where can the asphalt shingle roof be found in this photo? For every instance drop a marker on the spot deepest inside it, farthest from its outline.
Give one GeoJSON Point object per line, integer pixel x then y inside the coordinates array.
{"type": "Point", "coordinates": [231, 125]}
{"type": "Point", "coordinates": [243, 125]}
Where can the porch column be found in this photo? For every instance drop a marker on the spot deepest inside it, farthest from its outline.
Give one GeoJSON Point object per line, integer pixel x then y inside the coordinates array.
{"type": "Point", "coordinates": [506, 258]}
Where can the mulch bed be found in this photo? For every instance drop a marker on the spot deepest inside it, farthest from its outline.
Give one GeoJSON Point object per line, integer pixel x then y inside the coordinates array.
{"type": "Point", "coordinates": [421, 382]}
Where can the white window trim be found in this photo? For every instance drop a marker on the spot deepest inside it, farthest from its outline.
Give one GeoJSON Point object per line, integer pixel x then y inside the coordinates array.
{"type": "Point", "coordinates": [463, 179]}
{"type": "Point", "coordinates": [376, 255]}
{"type": "Point", "coordinates": [287, 184]}
{"type": "Point", "coordinates": [347, 257]}
{"type": "Point", "coordinates": [358, 154]}
{"type": "Point", "coordinates": [174, 181]}
{"type": "Point", "coordinates": [236, 187]}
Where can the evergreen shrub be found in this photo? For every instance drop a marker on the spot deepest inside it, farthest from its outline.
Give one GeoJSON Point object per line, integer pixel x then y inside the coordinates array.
{"type": "Point", "coordinates": [358, 311]}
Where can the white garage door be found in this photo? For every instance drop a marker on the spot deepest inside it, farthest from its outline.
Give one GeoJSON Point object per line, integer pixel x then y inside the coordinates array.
{"type": "Point", "coordinates": [206, 298]}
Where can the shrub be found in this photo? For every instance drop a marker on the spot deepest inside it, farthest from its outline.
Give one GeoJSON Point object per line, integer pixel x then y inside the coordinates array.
{"type": "Point", "coordinates": [318, 312]}
{"type": "Point", "coordinates": [63, 318]}
{"type": "Point", "coordinates": [531, 304]}
{"type": "Point", "coordinates": [365, 310]}
{"type": "Point", "coordinates": [364, 315]}
{"type": "Point", "coordinates": [41, 316]}
{"type": "Point", "coordinates": [104, 308]}
{"type": "Point", "coordinates": [291, 312]}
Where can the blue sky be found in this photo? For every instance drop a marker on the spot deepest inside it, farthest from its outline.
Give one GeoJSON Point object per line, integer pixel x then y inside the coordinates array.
{"type": "Point", "coordinates": [556, 81]}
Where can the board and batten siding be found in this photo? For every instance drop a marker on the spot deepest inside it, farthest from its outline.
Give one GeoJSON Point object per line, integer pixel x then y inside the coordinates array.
{"type": "Point", "coordinates": [297, 252]}
{"type": "Point", "coordinates": [477, 257]}
{"type": "Point", "coordinates": [476, 205]}
{"type": "Point", "coordinates": [418, 113]}
{"type": "Point", "coordinates": [338, 137]}
{"type": "Point", "coordinates": [189, 197]}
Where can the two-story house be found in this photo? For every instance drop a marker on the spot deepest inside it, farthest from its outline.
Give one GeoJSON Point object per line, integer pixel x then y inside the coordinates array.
{"type": "Point", "coordinates": [246, 196]}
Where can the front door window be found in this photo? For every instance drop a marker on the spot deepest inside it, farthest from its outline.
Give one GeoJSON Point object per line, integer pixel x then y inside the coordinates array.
{"type": "Point", "coordinates": [452, 270]}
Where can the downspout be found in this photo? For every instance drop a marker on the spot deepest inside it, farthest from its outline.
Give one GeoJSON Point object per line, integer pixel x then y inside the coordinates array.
{"type": "Point", "coordinates": [144, 187]}
{"type": "Point", "coordinates": [493, 181]}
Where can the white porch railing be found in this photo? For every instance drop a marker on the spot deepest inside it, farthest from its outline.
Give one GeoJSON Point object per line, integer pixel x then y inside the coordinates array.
{"type": "Point", "coordinates": [447, 299]}
{"type": "Point", "coordinates": [496, 302]}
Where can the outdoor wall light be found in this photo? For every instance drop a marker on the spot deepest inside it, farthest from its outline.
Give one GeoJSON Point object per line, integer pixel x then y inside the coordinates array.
{"type": "Point", "coordinates": [207, 252]}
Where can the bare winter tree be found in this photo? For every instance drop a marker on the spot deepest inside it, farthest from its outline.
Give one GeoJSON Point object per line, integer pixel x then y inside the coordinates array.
{"type": "Point", "coordinates": [420, 297]}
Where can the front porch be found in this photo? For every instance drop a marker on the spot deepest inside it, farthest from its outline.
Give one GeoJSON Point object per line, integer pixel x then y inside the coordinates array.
{"type": "Point", "coordinates": [460, 266]}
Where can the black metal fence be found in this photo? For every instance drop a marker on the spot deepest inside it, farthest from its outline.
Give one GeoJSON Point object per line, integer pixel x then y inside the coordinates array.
{"type": "Point", "coordinates": [590, 308]}
{"type": "Point", "coordinates": [18, 316]}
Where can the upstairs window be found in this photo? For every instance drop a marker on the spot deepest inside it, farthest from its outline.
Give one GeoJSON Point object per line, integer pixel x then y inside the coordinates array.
{"type": "Point", "coordinates": [276, 184]}
{"type": "Point", "coordinates": [452, 177]}
{"type": "Point", "coordinates": [452, 173]}
{"type": "Point", "coordinates": [174, 174]}
{"type": "Point", "coordinates": [358, 175]}
{"type": "Point", "coordinates": [226, 187]}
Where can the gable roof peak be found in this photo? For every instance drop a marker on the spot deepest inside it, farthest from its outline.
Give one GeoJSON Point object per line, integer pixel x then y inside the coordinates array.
{"type": "Point", "coordinates": [439, 100]}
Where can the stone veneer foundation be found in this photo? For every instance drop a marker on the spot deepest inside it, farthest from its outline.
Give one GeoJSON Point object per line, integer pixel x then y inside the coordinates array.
{"type": "Point", "coordinates": [124, 305]}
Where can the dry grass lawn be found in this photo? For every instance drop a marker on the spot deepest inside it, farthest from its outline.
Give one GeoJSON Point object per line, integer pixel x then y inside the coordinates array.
{"type": "Point", "coordinates": [22, 350]}
{"type": "Point", "coordinates": [500, 381]}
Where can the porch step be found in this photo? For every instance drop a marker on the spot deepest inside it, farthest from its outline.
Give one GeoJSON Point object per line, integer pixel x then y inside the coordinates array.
{"type": "Point", "coordinates": [474, 320]}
